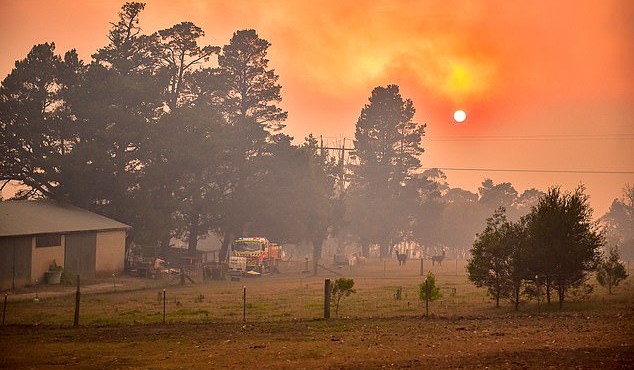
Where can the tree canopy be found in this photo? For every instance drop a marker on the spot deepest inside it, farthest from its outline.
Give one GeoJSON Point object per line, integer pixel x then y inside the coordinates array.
{"type": "Point", "coordinates": [180, 139]}
{"type": "Point", "coordinates": [556, 244]}
{"type": "Point", "coordinates": [387, 145]}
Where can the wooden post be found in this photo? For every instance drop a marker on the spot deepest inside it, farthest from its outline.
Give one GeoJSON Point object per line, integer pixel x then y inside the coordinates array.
{"type": "Point", "coordinates": [244, 305]}
{"type": "Point", "coordinates": [426, 298]}
{"type": "Point", "coordinates": [77, 299]}
{"type": "Point", "coordinates": [4, 309]}
{"type": "Point", "coordinates": [163, 306]}
{"type": "Point", "coordinates": [327, 299]}
{"type": "Point", "coordinates": [421, 265]}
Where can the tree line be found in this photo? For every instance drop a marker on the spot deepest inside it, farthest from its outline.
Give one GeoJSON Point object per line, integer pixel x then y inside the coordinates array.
{"type": "Point", "coordinates": [179, 140]}
{"type": "Point", "coordinates": [554, 248]}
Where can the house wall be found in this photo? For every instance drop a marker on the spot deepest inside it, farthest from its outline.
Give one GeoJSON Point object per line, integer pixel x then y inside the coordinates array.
{"type": "Point", "coordinates": [80, 254]}
{"type": "Point", "coordinates": [15, 262]}
{"type": "Point", "coordinates": [43, 257]}
{"type": "Point", "coordinates": [110, 251]}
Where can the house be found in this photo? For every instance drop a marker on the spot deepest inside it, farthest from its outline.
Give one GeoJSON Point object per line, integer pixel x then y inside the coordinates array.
{"type": "Point", "coordinates": [37, 234]}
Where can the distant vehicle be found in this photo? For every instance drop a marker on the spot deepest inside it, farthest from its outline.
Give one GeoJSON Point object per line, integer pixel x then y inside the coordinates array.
{"type": "Point", "coordinates": [253, 256]}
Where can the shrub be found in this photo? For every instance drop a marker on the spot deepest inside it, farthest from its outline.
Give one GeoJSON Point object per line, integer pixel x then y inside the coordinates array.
{"type": "Point", "coordinates": [432, 292]}
{"type": "Point", "coordinates": [342, 287]}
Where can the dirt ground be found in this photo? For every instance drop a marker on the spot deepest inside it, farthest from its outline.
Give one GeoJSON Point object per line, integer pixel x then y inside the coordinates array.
{"type": "Point", "coordinates": [584, 338]}
{"type": "Point", "coordinates": [558, 341]}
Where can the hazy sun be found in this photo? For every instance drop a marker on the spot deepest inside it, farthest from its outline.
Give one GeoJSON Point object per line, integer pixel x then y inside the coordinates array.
{"type": "Point", "coordinates": [459, 116]}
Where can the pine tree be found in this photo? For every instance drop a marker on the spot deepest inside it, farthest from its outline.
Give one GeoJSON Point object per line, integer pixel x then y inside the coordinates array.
{"type": "Point", "coordinates": [387, 146]}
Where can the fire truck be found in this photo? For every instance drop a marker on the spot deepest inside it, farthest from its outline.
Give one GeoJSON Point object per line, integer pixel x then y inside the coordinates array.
{"type": "Point", "coordinates": [253, 256]}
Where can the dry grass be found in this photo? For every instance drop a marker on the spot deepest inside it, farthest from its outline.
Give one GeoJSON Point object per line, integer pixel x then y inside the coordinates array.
{"type": "Point", "coordinates": [291, 295]}
{"type": "Point", "coordinates": [124, 329]}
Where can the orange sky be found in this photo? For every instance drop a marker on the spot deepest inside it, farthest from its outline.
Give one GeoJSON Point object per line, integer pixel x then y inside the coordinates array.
{"type": "Point", "coordinates": [519, 69]}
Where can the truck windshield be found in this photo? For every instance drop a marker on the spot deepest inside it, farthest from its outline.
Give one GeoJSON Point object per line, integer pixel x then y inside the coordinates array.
{"type": "Point", "coordinates": [247, 246]}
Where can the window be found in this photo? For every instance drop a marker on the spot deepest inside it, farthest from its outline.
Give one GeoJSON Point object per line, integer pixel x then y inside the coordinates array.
{"type": "Point", "coordinates": [48, 240]}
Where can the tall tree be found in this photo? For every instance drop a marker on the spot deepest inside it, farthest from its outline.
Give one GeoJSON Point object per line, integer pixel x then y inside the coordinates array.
{"type": "Point", "coordinates": [250, 106]}
{"type": "Point", "coordinates": [491, 262]}
{"type": "Point", "coordinates": [37, 129]}
{"type": "Point", "coordinates": [497, 195]}
{"type": "Point", "coordinates": [387, 145]}
{"type": "Point", "coordinates": [123, 53]}
{"type": "Point", "coordinates": [193, 156]}
{"type": "Point", "coordinates": [564, 240]}
{"type": "Point", "coordinates": [253, 91]}
{"type": "Point", "coordinates": [461, 218]}
{"type": "Point", "coordinates": [178, 50]}
{"type": "Point", "coordinates": [117, 107]}
{"type": "Point", "coordinates": [619, 222]}
{"type": "Point", "coordinates": [428, 227]}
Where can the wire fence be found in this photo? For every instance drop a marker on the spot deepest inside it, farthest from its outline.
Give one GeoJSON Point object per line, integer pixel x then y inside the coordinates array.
{"type": "Point", "coordinates": [383, 289]}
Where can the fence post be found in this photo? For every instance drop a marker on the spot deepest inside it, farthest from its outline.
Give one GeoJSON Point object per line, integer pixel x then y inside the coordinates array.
{"type": "Point", "coordinates": [327, 299]}
{"type": "Point", "coordinates": [426, 299]}
{"type": "Point", "coordinates": [244, 305]}
{"type": "Point", "coordinates": [4, 309]}
{"type": "Point", "coordinates": [421, 265]}
{"type": "Point", "coordinates": [77, 299]}
{"type": "Point", "coordinates": [164, 306]}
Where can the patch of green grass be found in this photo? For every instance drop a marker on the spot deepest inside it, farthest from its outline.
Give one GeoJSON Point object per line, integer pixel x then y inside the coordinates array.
{"type": "Point", "coordinates": [189, 312]}
{"type": "Point", "coordinates": [130, 313]}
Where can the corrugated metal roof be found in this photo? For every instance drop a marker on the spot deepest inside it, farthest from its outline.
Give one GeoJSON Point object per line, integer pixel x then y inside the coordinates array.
{"type": "Point", "coordinates": [30, 217]}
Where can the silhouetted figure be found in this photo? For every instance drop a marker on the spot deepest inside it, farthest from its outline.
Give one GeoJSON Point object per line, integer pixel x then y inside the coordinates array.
{"type": "Point", "coordinates": [438, 258]}
{"type": "Point", "coordinates": [401, 257]}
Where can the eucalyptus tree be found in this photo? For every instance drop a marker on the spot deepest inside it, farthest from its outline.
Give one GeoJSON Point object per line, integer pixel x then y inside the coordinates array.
{"type": "Point", "coordinates": [493, 196]}
{"type": "Point", "coordinates": [619, 222]}
{"type": "Point", "coordinates": [387, 145]}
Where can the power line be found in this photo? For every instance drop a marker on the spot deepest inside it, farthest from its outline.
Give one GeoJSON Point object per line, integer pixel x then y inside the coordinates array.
{"type": "Point", "coordinates": [545, 137]}
{"type": "Point", "coordinates": [533, 137]}
{"type": "Point", "coordinates": [600, 172]}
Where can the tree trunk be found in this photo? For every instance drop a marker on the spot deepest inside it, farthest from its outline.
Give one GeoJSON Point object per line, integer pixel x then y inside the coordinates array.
{"type": "Point", "coordinates": [192, 242]}
{"type": "Point", "coordinates": [224, 248]}
{"type": "Point", "coordinates": [561, 291]}
{"type": "Point", "coordinates": [517, 297]}
{"type": "Point", "coordinates": [317, 244]}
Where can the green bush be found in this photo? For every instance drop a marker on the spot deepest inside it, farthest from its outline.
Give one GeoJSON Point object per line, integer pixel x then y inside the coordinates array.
{"type": "Point", "coordinates": [432, 292]}
{"type": "Point", "coordinates": [342, 287]}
